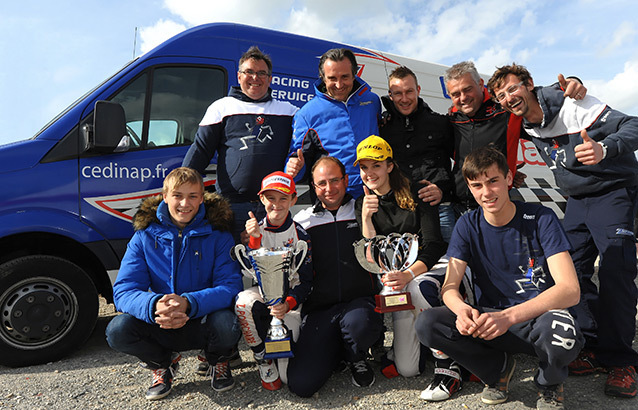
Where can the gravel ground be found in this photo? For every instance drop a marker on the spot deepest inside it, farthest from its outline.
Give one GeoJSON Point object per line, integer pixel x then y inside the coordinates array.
{"type": "Point", "coordinates": [98, 377]}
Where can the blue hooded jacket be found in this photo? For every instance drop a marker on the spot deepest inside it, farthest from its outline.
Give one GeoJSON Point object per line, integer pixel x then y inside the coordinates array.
{"type": "Point", "coordinates": [194, 263]}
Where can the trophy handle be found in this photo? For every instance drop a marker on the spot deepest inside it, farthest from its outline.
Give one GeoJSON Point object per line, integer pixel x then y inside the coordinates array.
{"type": "Point", "coordinates": [242, 258]}
{"type": "Point", "coordinates": [363, 253]}
{"type": "Point", "coordinates": [301, 247]}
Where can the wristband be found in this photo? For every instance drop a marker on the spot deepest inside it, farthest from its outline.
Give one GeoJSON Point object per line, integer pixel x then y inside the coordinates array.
{"type": "Point", "coordinates": [411, 273]}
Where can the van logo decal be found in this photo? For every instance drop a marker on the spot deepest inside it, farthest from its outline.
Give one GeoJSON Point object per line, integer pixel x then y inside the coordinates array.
{"type": "Point", "coordinates": [124, 206]}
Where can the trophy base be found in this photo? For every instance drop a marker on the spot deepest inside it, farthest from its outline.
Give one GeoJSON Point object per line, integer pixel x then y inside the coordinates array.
{"type": "Point", "coordinates": [393, 303]}
{"type": "Point", "coordinates": [278, 349]}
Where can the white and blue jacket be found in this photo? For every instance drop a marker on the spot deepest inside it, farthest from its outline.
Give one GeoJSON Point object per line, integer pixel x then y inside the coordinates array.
{"type": "Point", "coordinates": [559, 133]}
{"type": "Point", "coordinates": [250, 137]}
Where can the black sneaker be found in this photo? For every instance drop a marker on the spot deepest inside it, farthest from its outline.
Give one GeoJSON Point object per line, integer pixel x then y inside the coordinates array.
{"type": "Point", "coordinates": [550, 397]}
{"type": "Point", "coordinates": [204, 368]}
{"type": "Point", "coordinates": [163, 379]}
{"type": "Point", "coordinates": [497, 393]}
{"type": "Point", "coordinates": [447, 381]}
{"type": "Point", "coordinates": [222, 379]}
{"type": "Point", "coordinates": [362, 374]}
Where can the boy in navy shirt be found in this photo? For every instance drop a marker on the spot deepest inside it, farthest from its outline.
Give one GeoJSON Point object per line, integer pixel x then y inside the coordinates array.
{"type": "Point", "coordinates": [524, 282]}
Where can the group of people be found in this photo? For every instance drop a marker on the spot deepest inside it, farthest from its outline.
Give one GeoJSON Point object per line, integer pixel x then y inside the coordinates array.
{"type": "Point", "coordinates": [444, 178]}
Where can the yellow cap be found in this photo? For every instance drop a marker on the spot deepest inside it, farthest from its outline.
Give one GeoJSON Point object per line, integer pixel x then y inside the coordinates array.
{"type": "Point", "coordinates": [375, 148]}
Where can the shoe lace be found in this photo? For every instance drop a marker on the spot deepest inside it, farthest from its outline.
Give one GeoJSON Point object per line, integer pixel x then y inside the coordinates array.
{"type": "Point", "coordinates": [360, 366]}
{"type": "Point", "coordinates": [158, 376]}
{"type": "Point", "coordinates": [221, 370]}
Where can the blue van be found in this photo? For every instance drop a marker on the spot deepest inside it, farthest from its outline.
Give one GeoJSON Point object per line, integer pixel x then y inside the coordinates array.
{"type": "Point", "coordinates": [70, 192]}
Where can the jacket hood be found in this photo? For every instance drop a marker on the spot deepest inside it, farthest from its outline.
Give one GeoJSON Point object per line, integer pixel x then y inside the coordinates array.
{"type": "Point", "coordinates": [551, 100]}
{"type": "Point", "coordinates": [236, 92]}
{"type": "Point", "coordinates": [218, 212]}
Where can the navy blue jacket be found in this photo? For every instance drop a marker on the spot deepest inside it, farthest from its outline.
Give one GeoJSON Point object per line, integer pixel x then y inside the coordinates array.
{"type": "Point", "coordinates": [559, 133]}
{"type": "Point", "coordinates": [251, 139]}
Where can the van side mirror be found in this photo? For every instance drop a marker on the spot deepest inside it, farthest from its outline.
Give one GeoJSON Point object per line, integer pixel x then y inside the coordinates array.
{"type": "Point", "coordinates": [109, 128]}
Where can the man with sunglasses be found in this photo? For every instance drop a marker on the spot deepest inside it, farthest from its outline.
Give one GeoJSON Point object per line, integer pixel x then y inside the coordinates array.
{"type": "Point", "coordinates": [590, 149]}
{"type": "Point", "coordinates": [250, 132]}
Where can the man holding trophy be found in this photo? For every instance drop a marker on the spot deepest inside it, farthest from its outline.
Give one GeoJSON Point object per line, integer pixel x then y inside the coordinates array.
{"type": "Point", "coordinates": [339, 320]}
{"type": "Point", "coordinates": [276, 243]}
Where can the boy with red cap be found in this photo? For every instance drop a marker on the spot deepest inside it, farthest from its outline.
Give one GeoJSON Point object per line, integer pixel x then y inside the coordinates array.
{"type": "Point", "coordinates": [277, 229]}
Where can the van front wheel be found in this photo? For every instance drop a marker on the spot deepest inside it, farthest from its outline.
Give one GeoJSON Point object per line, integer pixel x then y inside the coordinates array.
{"type": "Point", "coordinates": [48, 308]}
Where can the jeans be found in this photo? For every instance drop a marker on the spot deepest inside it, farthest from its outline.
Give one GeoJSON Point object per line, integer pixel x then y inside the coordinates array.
{"type": "Point", "coordinates": [447, 220]}
{"type": "Point", "coordinates": [603, 225]}
{"type": "Point", "coordinates": [217, 333]}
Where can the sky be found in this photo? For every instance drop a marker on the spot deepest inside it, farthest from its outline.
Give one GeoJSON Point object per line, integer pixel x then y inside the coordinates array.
{"type": "Point", "coordinates": [53, 52]}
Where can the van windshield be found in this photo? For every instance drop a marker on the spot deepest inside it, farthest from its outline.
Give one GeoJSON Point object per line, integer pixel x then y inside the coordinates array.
{"type": "Point", "coordinates": [76, 102]}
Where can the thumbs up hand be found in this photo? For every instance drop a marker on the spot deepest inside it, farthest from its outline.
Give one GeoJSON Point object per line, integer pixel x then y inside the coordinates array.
{"type": "Point", "coordinates": [589, 152]}
{"type": "Point", "coordinates": [295, 164]}
{"type": "Point", "coordinates": [252, 225]}
{"type": "Point", "coordinates": [370, 204]}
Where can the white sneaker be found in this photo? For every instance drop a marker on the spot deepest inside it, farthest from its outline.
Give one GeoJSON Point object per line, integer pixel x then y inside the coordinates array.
{"type": "Point", "coordinates": [446, 382]}
{"type": "Point", "coordinates": [269, 374]}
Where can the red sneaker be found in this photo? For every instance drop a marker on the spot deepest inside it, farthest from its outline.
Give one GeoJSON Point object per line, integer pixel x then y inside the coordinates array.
{"type": "Point", "coordinates": [585, 364]}
{"type": "Point", "coordinates": [621, 382]}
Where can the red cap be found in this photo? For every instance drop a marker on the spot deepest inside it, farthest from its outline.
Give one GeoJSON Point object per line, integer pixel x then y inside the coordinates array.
{"type": "Point", "coordinates": [278, 181]}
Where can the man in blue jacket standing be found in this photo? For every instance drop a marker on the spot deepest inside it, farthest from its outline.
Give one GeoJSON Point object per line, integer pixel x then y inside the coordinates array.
{"type": "Point", "coordinates": [343, 113]}
{"type": "Point", "coordinates": [177, 282]}
{"type": "Point", "coordinates": [590, 149]}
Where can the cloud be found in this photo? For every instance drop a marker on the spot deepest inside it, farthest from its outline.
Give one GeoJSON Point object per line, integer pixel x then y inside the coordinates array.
{"type": "Point", "coordinates": [253, 12]}
{"type": "Point", "coordinates": [308, 23]}
{"type": "Point", "coordinates": [620, 92]}
{"type": "Point", "coordinates": [492, 58]}
{"type": "Point", "coordinates": [545, 36]}
{"type": "Point", "coordinates": [623, 35]}
{"type": "Point", "coordinates": [153, 36]}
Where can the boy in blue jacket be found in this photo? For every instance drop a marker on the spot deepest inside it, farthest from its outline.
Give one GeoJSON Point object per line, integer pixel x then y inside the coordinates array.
{"type": "Point", "coordinates": [177, 282]}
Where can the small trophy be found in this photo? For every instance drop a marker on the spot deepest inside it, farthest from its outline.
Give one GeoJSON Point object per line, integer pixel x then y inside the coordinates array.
{"type": "Point", "coordinates": [382, 254]}
{"type": "Point", "coordinates": [271, 267]}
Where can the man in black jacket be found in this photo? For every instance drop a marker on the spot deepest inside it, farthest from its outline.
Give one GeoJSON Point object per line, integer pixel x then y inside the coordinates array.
{"type": "Point", "coordinates": [339, 321]}
{"type": "Point", "coordinates": [422, 143]}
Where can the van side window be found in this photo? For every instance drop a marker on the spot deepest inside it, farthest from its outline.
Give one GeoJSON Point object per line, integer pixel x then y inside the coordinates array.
{"type": "Point", "coordinates": [179, 98]}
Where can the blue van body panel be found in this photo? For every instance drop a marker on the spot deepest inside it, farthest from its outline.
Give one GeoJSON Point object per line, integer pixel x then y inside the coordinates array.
{"type": "Point", "coordinates": [91, 198]}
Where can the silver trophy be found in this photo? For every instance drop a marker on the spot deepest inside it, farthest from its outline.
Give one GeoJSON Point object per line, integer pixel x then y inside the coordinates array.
{"type": "Point", "coordinates": [383, 254]}
{"type": "Point", "coordinates": [271, 267]}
